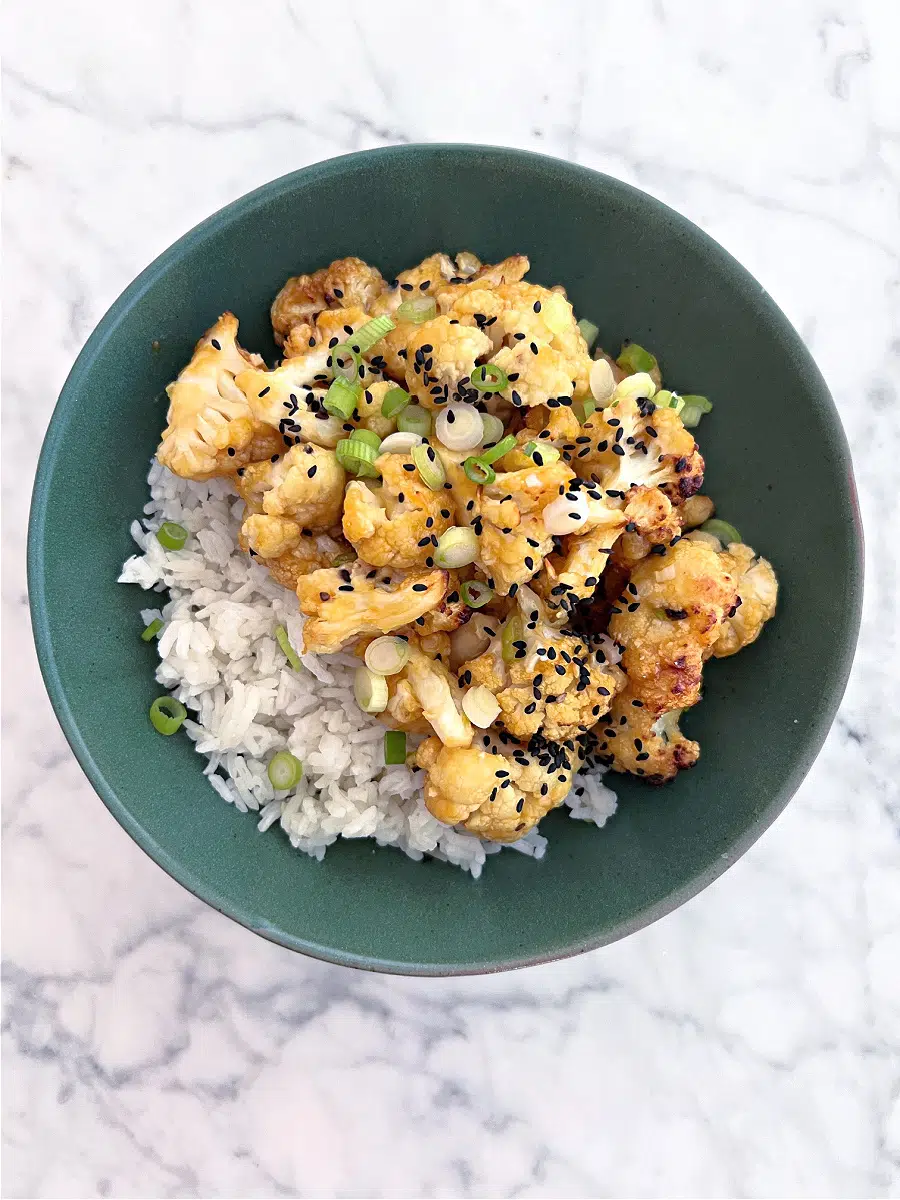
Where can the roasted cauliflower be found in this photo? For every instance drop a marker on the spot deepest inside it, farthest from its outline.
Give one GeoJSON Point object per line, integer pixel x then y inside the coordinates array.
{"type": "Point", "coordinates": [668, 620]}
{"type": "Point", "coordinates": [345, 603]}
{"type": "Point", "coordinates": [399, 522]}
{"type": "Point", "coordinates": [631, 442]}
{"type": "Point", "coordinates": [210, 427]}
{"type": "Point", "coordinates": [306, 486]}
{"type": "Point", "coordinates": [508, 518]}
{"type": "Point", "coordinates": [346, 282]}
{"type": "Point", "coordinates": [440, 356]}
{"type": "Point", "coordinates": [547, 680]}
{"type": "Point", "coordinates": [425, 695]}
{"type": "Point", "coordinates": [286, 550]}
{"type": "Point", "coordinates": [757, 597]}
{"type": "Point", "coordinates": [497, 788]}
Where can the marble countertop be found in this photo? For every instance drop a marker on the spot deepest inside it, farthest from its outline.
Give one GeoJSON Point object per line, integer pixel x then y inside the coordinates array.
{"type": "Point", "coordinates": [747, 1045]}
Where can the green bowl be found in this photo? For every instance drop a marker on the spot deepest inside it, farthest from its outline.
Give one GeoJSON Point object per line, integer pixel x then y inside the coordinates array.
{"type": "Point", "coordinates": [778, 467]}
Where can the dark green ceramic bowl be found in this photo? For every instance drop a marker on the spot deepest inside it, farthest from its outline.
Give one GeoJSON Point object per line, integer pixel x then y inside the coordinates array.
{"type": "Point", "coordinates": [778, 467]}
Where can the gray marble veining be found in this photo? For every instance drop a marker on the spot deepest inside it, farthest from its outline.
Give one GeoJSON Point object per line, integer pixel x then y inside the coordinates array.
{"type": "Point", "coordinates": [745, 1046]}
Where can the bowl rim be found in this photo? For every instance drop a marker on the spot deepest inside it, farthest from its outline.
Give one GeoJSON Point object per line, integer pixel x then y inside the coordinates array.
{"type": "Point", "coordinates": [820, 723]}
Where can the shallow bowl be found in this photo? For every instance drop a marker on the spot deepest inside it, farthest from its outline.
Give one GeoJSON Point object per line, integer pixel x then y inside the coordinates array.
{"type": "Point", "coordinates": [778, 467]}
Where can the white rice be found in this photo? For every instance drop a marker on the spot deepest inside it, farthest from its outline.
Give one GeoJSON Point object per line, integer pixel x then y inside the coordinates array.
{"type": "Point", "coordinates": [218, 655]}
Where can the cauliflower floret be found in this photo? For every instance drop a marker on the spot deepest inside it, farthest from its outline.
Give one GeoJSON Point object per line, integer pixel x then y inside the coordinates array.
{"type": "Point", "coordinates": [573, 574]}
{"type": "Point", "coordinates": [475, 304]}
{"type": "Point", "coordinates": [285, 549]}
{"type": "Point", "coordinates": [632, 442]}
{"type": "Point", "coordinates": [211, 429]}
{"type": "Point", "coordinates": [542, 315]}
{"type": "Point", "coordinates": [368, 410]}
{"type": "Point", "coordinates": [439, 357]}
{"type": "Point", "coordinates": [556, 428]}
{"type": "Point", "coordinates": [498, 789]}
{"type": "Point", "coordinates": [425, 691]}
{"type": "Point", "coordinates": [290, 398]}
{"type": "Point", "coordinates": [424, 280]}
{"type": "Point", "coordinates": [517, 314]}
{"type": "Point", "coordinates": [757, 596]}
{"type": "Point", "coordinates": [554, 682]}
{"type": "Point", "coordinates": [486, 277]}
{"type": "Point", "coordinates": [269, 537]}
{"type": "Point", "coordinates": [667, 620]}
{"type": "Point", "coordinates": [508, 517]}
{"type": "Point", "coordinates": [632, 739]}
{"type": "Point", "coordinates": [347, 281]}
{"type": "Point", "coordinates": [345, 603]}
{"type": "Point", "coordinates": [450, 614]}
{"type": "Point", "coordinates": [537, 373]}
{"type": "Point", "coordinates": [397, 524]}
{"type": "Point", "coordinates": [306, 486]}
{"type": "Point", "coordinates": [332, 326]}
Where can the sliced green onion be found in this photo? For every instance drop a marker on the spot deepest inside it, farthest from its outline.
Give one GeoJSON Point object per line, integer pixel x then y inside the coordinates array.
{"type": "Point", "coordinates": [152, 630]}
{"type": "Point", "coordinates": [602, 381]}
{"type": "Point", "coordinates": [667, 399]}
{"type": "Point", "coordinates": [457, 547]}
{"type": "Point", "coordinates": [430, 466]}
{"type": "Point", "coordinates": [633, 358]}
{"type": "Point", "coordinates": [370, 690]}
{"type": "Point", "coordinates": [476, 594]}
{"type": "Point", "coordinates": [370, 333]}
{"type": "Point", "coordinates": [489, 378]}
{"type": "Point", "coordinates": [345, 363]}
{"type": "Point", "coordinates": [167, 715]}
{"type": "Point", "coordinates": [639, 386]}
{"type": "Point", "coordinates": [341, 398]}
{"type": "Point", "coordinates": [584, 409]}
{"type": "Point", "coordinates": [694, 408]}
{"type": "Point", "coordinates": [542, 454]}
{"type": "Point", "coordinates": [589, 331]}
{"type": "Point", "coordinates": [480, 706]}
{"type": "Point", "coordinates": [723, 530]}
{"type": "Point", "coordinates": [346, 556]}
{"type": "Point", "coordinates": [356, 456]}
{"type": "Point", "coordinates": [171, 535]}
{"type": "Point", "coordinates": [281, 637]}
{"type": "Point", "coordinates": [417, 310]}
{"type": "Point", "coordinates": [415, 419]}
{"type": "Point", "coordinates": [493, 429]}
{"type": "Point", "coordinates": [394, 748]}
{"type": "Point", "coordinates": [387, 655]}
{"type": "Point", "coordinates": [400, 443]}
{"type": "Point", "coordinates": [459, 427]}
{"type": "Point", "coordinates": [394, 402]}
{"type": "Point", "coordinates": [513, 631]}
{"type": "Point", "coordinates": [503, 447]}
{"type": "Point", "coordinates": [478, 471]}
{"type": "Point", "coordinates": [284, 771]}
{"type": "Point", "coordinates": [367, 436]}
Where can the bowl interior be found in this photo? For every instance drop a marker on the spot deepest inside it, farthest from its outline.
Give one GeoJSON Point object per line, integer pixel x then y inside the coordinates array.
{"type": "Point", "coordinates": [774, 449]}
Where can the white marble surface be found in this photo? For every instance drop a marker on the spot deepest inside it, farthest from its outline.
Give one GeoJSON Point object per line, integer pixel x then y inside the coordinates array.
{"type": "Point", "coordinates": [745, 1046]}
